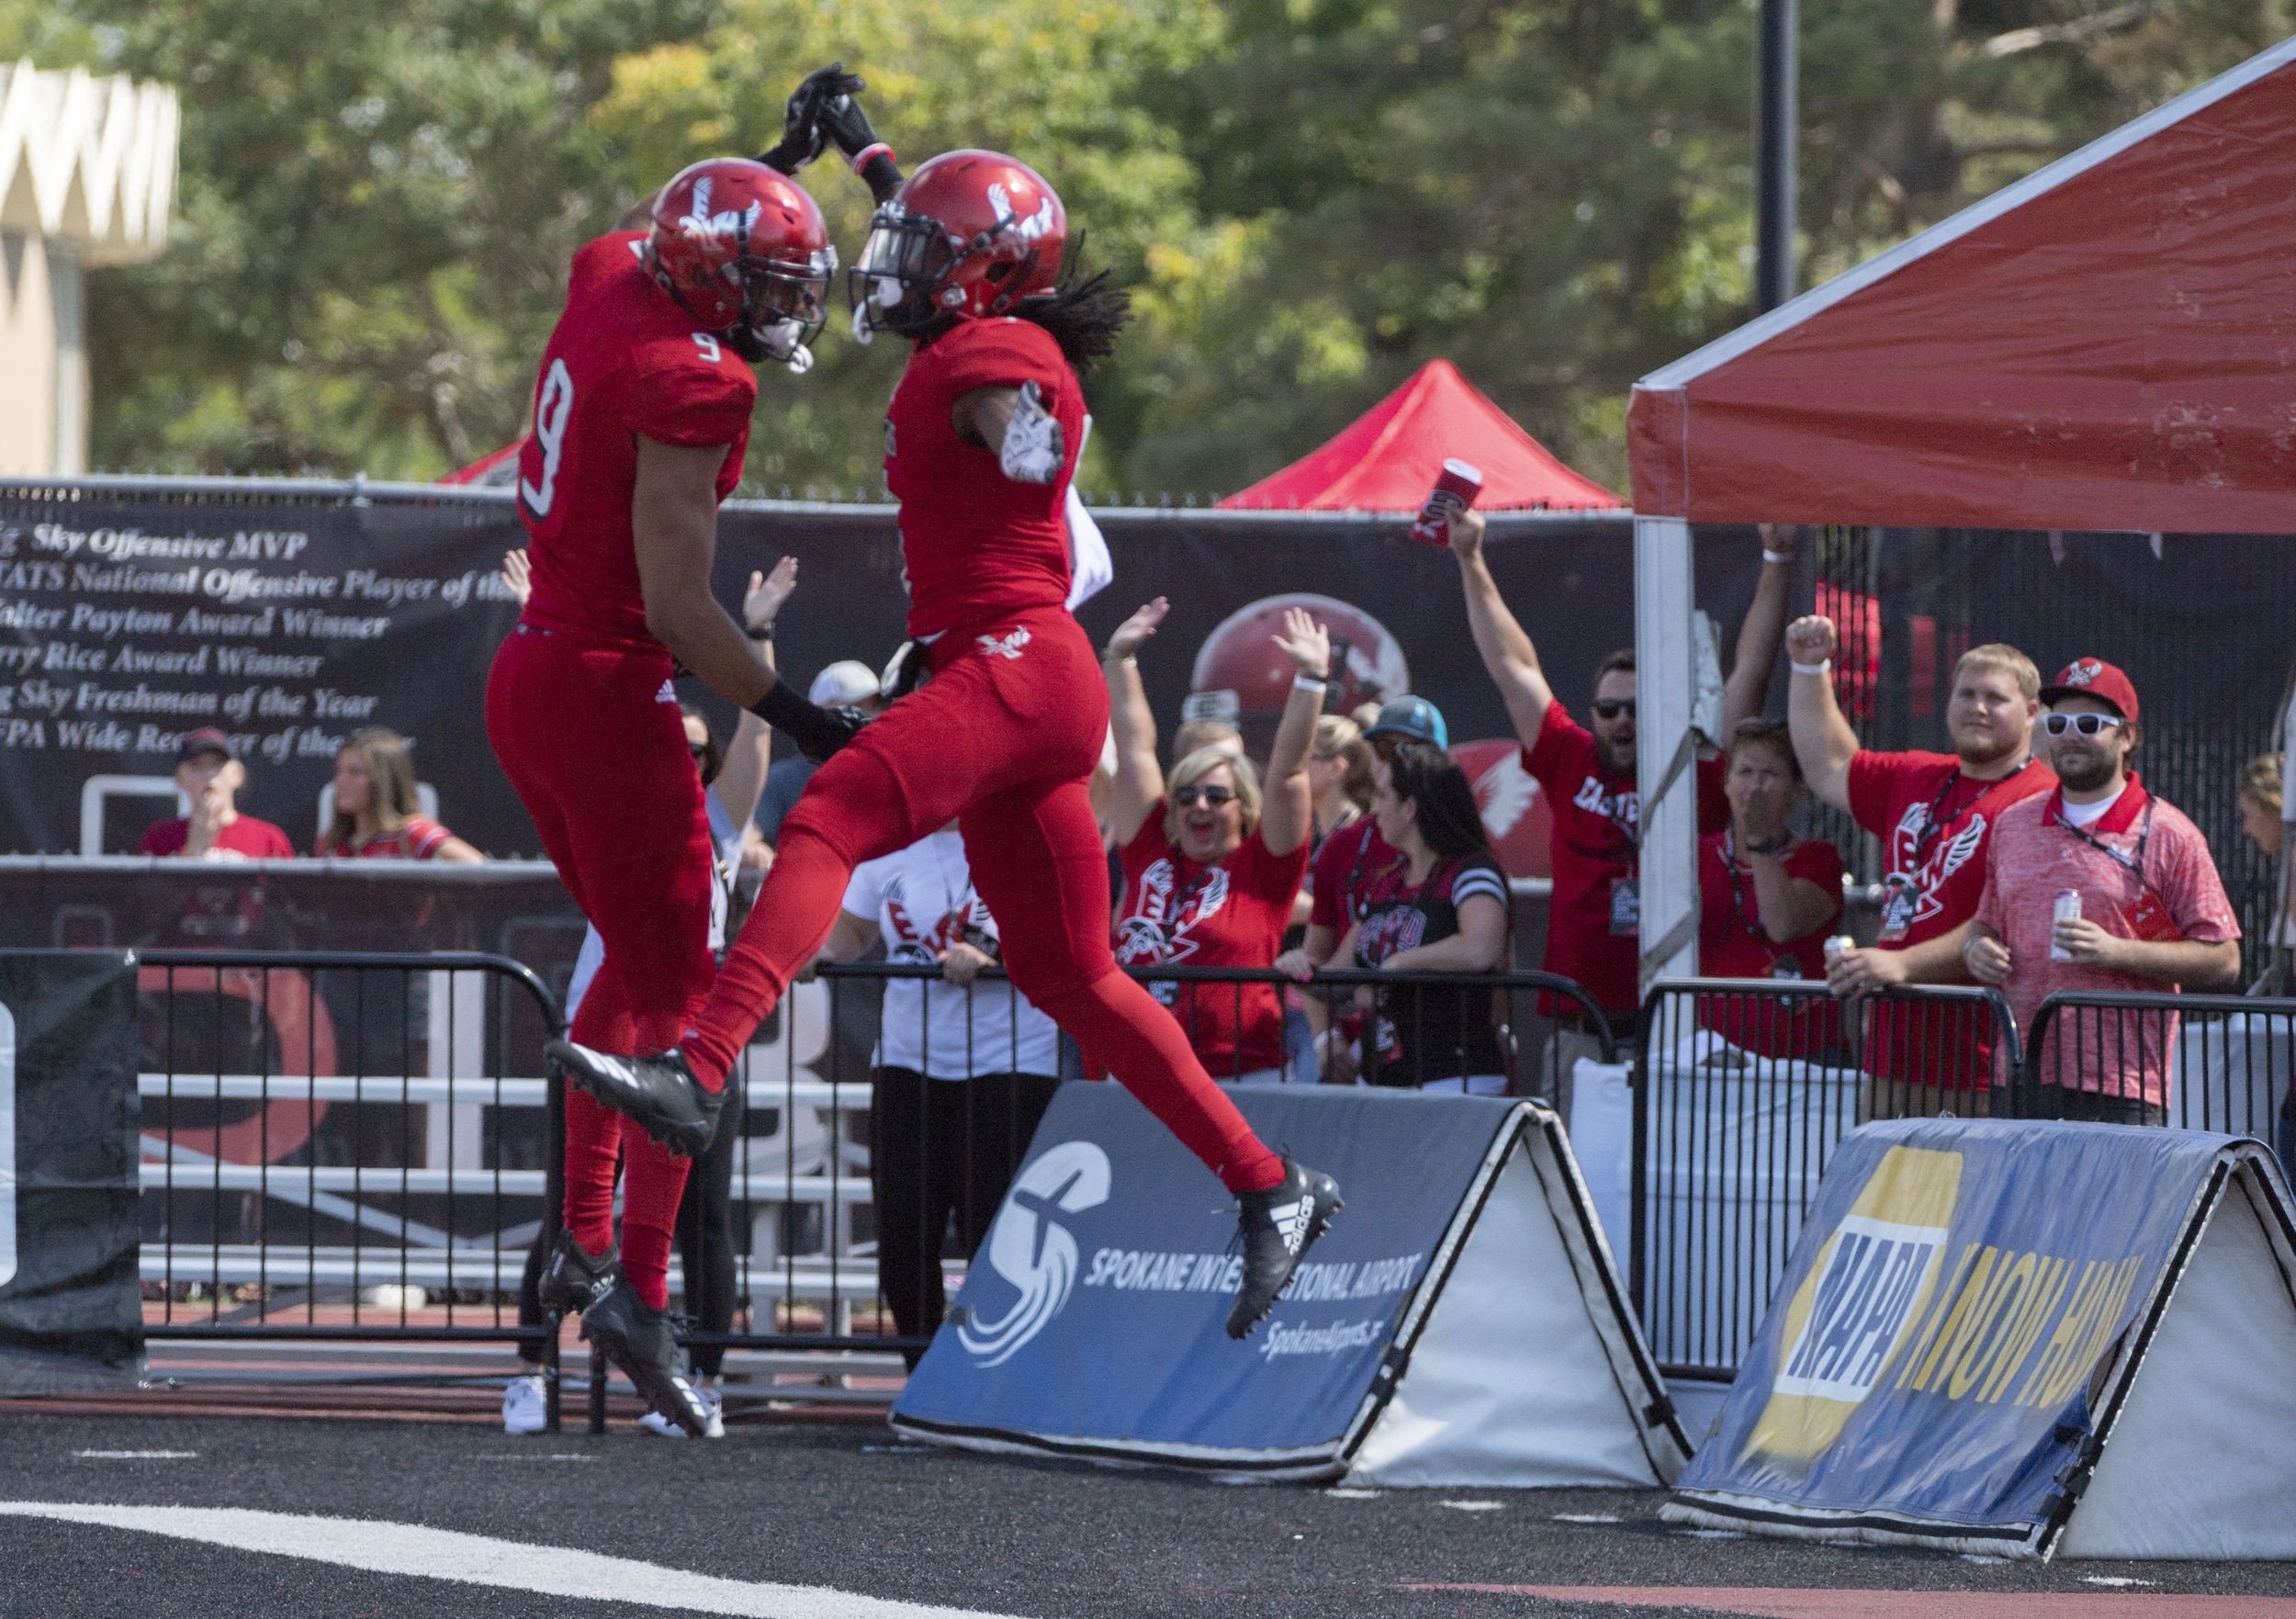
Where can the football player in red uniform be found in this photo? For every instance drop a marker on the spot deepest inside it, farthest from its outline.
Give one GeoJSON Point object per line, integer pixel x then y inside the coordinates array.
{"type": "Point", "coordinates": [641, 414]}
{"type": "Point", "coordinates": [981, 443]}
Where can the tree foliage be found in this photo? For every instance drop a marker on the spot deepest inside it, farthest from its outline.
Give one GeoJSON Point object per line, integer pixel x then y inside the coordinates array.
{"type": "Point", "coordinates": [1309, 198]}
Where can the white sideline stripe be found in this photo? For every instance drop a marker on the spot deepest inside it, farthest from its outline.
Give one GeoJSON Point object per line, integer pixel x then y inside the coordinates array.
{"type": "Point", "coordinates": [383, 1547]}
{"type": "Point", "coordinates": [137, 1456]}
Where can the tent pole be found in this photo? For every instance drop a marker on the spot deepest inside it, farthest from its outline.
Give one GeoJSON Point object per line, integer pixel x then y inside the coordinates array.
{"type": "Point", "coordinates": [1776, 128]}
{"type": "Point", "coordinates": [1665, 687]}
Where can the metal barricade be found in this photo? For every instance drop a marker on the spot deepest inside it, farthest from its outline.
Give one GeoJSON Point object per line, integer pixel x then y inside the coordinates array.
{"type": "Point", "coordinates": [2191, 1061]}
{"type": "Point", "coordinates": [344, 1146]}
{"type": "Point", "coordinates": [1742, 1086]}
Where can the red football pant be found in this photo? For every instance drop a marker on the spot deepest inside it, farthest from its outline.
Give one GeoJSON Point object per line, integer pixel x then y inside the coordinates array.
{"type": "Point", "coordinates": [591, 738]}
{"type": "Point", "coordinates": [1001, 739]}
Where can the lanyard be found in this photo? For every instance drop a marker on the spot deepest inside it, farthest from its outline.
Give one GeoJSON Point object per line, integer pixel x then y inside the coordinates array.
{"type": "Point", "coordinates": [2133, 864]}
{"type": "Point", "coordinates": [1937, 821]}
{"type": "Point", "coordinates": [1738, 900]}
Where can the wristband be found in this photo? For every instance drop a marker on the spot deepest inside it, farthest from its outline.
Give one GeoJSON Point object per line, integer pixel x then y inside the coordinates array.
{"type": "Point", "coordinates": [758, 632]}
{"type": "Point", "coordinates": [1121, 657]}
{"type": "Point", "coordinates": [1823, 667]}
{"type": "Point", "coordinates": [818, 732]}
{"type": "Point", "coordinates": [861, 158]}
{"type": "Point", "coordinates": [1770, 556]}
{"type": "Point", "coordinates": [1308, 684]}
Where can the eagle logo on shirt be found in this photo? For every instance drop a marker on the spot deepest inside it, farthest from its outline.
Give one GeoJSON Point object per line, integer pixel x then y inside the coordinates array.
{"type": "Point", "coordinates": [1007, 646]}
{"type": "Point", "coordinates": [1162, 925]}
{"type": "Point", "coordinates": [920, 941]}
{"type": "Point", "coordinates": [1948, 856]}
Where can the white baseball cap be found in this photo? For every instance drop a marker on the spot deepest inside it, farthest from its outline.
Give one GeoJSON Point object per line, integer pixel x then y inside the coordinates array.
{"type": "Point", "coordinates": [848, 681]}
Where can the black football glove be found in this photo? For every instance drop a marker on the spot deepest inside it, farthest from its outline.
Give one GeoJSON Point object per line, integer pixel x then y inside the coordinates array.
{"type": "Point", "coordinates": [818, 732]}
{"type": "Point", "coordinates": [843, 121]}
{"type": "Point", "coordinates": [803, 136]}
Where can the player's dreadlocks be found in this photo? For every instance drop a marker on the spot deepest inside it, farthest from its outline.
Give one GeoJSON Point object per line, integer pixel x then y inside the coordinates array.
{"type": "Point", "coordinates": [1084, 313]}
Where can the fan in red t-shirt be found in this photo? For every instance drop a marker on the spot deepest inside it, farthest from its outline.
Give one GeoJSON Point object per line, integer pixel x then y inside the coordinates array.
{"type": "Point", "coordinates": [1934, 814]}
{"type": "Point", "coordinates": [209, 772]}
{"type": "Point", "coordinates": [1593, 921]}
{"type": "Point", "coordinates": [1211, 864]}
{"type": "Point", "coordinates": [1767, 900]}
{"type": "Point", "coordinates": [376, 810]}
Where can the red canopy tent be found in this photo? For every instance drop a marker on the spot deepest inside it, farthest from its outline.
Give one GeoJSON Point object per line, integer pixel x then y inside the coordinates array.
{"type": "Point", "coordinates": [2108, 344]}
{"type": "Point", "coordinates": [1387, 459]}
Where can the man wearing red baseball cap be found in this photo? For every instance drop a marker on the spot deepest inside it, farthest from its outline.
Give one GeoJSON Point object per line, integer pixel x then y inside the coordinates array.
{"type": "Point", "coordinates": [208, 773]}
{"type": "Point", "coordinates": [2099, 886]}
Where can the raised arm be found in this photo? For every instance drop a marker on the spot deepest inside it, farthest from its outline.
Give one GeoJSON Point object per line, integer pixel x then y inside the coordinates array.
{"type": "Point", "coordinates": [1288, 812]}
{"type": "Point", "coordinates": [1139, 780]}
{"type": "Point", "coordinates": [1823, 741]}
{"type": "Point", "coordinates": [1747, 692]}
{"type": "Point", "coordinates": [741, 778]}
{"type": "Point", "coordinates": [1507, 652]}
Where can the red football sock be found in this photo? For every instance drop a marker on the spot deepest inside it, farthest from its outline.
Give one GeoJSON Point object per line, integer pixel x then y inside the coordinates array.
{"type": "Point", "coordinates": [650, 1213]}
{"type": "Point", "coordinates": [594, 1140]}
{"type": "Point", "coordinates": [1120, 1023]}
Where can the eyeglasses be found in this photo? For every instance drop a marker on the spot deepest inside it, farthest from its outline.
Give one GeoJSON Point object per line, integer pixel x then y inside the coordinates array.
{"type": "Point", "coordinates": [1186, 797]}
{"type": "Point", "coordinates": [1610, 708]}
{"type": "Point", "coordinates": [2088, 725]}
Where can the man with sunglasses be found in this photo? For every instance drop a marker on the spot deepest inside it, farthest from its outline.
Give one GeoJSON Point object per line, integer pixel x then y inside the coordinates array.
{"type": "Point", "coordinates": [1933, 813]}
{"type": "Point", "coordinates": [1593, 920]}
{"type": "Point", "coordinates": [641, 416]}
{"type": "Point", "coordinates": [2152, 913]}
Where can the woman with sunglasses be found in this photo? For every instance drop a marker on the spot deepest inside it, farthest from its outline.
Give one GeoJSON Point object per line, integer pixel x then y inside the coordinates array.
{"type": "Point", "coordinates": [1441, 908]}
{"type": "Point", "coordinates": [1212, 862]}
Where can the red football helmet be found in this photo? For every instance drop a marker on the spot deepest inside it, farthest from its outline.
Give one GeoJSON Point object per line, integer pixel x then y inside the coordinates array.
{"type": "Point", "coordinates": [1240, 656]}
{"type": "Point", "coordinates": [744, 252]}
{"type": "Point", "coordinates": [970, 233]}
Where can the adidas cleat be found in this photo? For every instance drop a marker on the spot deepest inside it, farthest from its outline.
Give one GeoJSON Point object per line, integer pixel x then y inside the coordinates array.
{"type": "Point", "coordinates": [640, 1339]}
{"type": "Point", "coordinates": [573, 1280]}
{"type": "Point", "coordinates": [1280, 1226]}
{"type": "Point", "coordinates": [659, 1091]}
{"type": "Point", "coordinates": [712, 1404]}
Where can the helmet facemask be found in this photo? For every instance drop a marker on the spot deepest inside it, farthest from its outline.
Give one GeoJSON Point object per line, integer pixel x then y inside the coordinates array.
{"type": "Point", "coordinates": [783, 306]}
{"type": "Point", "coordinates": [903, 264]}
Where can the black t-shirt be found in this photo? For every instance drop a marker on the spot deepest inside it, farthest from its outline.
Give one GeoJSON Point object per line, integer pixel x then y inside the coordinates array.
{"type": "Point", "coordinates": [1442, 1032]}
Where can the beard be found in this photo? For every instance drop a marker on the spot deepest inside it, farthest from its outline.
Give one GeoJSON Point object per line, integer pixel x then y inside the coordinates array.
{"type": "Point", "coordinates": [1618, 757]}
{"type": "Point", "coordinates": [2084, 771]}
{"type": "Point", "coordinates": [1988, 752]}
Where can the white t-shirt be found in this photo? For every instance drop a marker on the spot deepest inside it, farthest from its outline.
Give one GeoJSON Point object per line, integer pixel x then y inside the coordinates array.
{"type": "Point", "coordinates": [922, 900]}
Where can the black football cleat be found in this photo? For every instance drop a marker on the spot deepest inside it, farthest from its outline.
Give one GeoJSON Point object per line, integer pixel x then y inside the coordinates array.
{"type": "Point", "coordinates": [572, 1280]}
{"type": "Point", "coordinates": [659, 1091]}
{"type": "Point", "coordinates": [642, 1342]}
{"type": "Point", "coordinates": [1278, 1227]}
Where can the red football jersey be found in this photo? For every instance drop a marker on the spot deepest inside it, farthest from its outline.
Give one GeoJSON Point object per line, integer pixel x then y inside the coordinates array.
{"type": "Point", "coordinates": [623, 360]}
{"type": "Point", "coordinates": [1733, 944]}
{"type": "Point", "coordinates": [1175, 912]}
{"type": "Point", "coordinates": [978, 546]}
{"type": "Point", "coordinates": [1934, 824]}
{"type": "Point", "coordinates": [419, 840]}
{"type": "Point", "coordinates": [1593, 933]}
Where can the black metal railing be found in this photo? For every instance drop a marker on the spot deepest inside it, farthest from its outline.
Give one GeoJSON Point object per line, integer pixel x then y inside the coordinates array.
{"type": "Point", "coordinates": [2192, 1062]}
{"type": "Point", "coordinates": [1741, 1090]}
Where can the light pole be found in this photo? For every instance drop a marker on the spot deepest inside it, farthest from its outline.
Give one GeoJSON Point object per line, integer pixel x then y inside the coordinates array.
{"type": "Point", "coordinates": [1774, 145]}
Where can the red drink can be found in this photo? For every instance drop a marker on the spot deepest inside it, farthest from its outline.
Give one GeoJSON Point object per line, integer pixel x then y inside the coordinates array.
{"type": "Point", "coordinates": [1455, 490]}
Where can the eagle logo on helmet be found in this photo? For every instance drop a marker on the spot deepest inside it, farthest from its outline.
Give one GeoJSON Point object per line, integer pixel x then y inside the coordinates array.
{"type": "Point", "coordinates": [1035, 228]}
{"type": "Point", "coordinates": [700, 221]}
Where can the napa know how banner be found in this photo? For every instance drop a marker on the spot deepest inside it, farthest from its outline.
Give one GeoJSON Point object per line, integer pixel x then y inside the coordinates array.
{"type": "Point", "coordinates": [1983, 1320]}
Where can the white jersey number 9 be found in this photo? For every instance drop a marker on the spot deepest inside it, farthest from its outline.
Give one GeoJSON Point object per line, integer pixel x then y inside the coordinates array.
{"type": "Point", "coordinates": [551, 411]}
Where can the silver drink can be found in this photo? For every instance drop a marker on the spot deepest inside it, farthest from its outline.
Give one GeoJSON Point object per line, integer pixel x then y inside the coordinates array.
{"type": "Point", "coordinates": [2068, 909]}
{"type": "Point", "coordinates": [1837, 946]}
